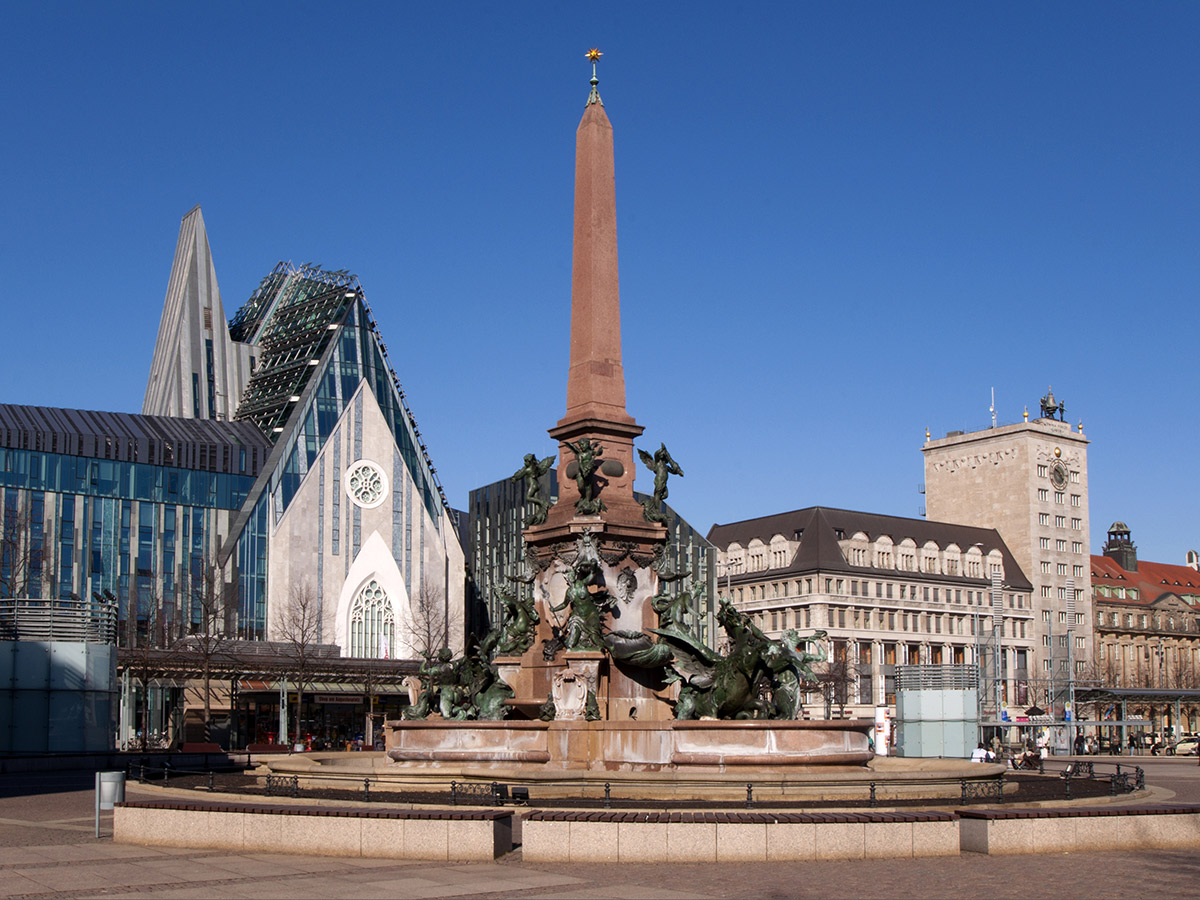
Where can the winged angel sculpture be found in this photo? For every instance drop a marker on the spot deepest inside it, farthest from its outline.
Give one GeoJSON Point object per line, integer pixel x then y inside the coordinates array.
{"type": "Point", "coordinates": [661, 464]}
{"type": "Point", "coordinates": [531, 472]}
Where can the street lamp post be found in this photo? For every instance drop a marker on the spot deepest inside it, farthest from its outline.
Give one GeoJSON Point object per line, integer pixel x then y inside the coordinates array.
{"type": "Point", "coordinates": [1162, 683]}
{"type": "Point", "coordinates": [1073, 731]}
{"type": "Point", "coordinates": [997, 628]}
{"type": "Point", "coordinates": [729, 565]}
{"type": "Point", "coordinates": [979, 667]}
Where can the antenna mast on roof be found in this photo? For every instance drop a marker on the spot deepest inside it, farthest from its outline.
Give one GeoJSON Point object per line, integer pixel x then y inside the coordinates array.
{"type": "Point", "coordinates": [992, 408]}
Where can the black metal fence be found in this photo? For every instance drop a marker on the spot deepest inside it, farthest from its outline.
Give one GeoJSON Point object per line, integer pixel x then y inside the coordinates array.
{"type": "Point", "coordinates": [1122, 780]}
{"type": "Point", "coordinates": [760, 794]}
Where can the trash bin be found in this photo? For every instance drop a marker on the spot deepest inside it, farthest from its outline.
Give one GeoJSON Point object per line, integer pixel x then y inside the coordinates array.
{"type": "Point", "coordinates": [110, 790]}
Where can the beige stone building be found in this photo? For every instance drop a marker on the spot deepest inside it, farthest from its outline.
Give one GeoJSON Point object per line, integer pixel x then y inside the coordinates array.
{"type": "Point", "coordinates": [887, 590]}
{"type": "Point", "coordinates": [1029, 481]}
{"type": "Point", "coordinates": [1147, 627]}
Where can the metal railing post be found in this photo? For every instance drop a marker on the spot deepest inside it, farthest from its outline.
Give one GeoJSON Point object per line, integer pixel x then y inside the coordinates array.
{"type": "Point", "coordinates": [749, 795]}
{"type": "Point", "coordinates": [874, 803]}
{"type": "Point", "coordinates": [607, 795]}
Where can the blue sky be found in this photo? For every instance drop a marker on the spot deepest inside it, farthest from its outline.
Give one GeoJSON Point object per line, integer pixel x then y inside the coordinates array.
{"type": "Point", "coordinates": [839, 224]}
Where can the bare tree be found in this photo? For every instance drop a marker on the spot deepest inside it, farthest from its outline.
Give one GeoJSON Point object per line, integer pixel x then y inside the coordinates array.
{"type": "Point", "coordinates": [837, 679]}
{"type": "Point", "coordinates": [205, 623]}
{"type": "Point", "coordinates": [145, 639]}
{"type": "Point", "coordinates": [1179, 671]}
{"type": "Point", "coordinates": [1101, 673]}
{"type": "Point", "coordinates": [433, 624]}
{"type": "Point", "coordinates": [300, 632]}
{"type": "Point", "coordinates": [371, 686]}
{"type": "Point", "coordinates": [23, 558]}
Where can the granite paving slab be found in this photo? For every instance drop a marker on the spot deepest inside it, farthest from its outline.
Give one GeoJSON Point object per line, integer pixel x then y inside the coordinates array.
{"type": "Point", "coordinates": [14, 884]}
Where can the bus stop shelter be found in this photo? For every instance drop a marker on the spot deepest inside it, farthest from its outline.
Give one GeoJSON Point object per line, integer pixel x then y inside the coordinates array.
{"type": "Point", "coordinates": [1120, 700]}
{"type": "Point", "coordinates": [1113, 734]}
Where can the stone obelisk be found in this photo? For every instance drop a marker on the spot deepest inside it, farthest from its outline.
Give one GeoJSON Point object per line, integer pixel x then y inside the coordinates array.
{"type": "Point", "coordinates": [610, 525]}
{"type": "Point", "coordinates": [596, 378]}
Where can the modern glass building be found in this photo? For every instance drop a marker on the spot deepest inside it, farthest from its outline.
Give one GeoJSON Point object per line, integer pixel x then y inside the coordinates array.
{"type": "Point", "coordinates": [275, 490]}
{"type": "Point", "coordinates": [276, 450]}
{"type": "Point", "coordinates": [128, 505]}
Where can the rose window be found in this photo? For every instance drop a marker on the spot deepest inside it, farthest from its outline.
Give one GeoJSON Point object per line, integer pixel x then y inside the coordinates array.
{"type": "Point", "coordinates": [366, 484]}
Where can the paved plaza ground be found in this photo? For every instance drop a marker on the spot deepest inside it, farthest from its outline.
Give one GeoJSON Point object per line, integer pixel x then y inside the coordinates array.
{"type": "Point", "coordinates": [48, 850]}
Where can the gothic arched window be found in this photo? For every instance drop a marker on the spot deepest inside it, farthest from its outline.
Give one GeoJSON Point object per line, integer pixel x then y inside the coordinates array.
{"type": "Point", "coordinates": [372, 626]}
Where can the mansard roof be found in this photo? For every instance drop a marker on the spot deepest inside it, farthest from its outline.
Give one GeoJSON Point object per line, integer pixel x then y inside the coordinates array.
{"type": "Point", "coordinates": [819, 529]}
{"type": "Point", "coordinates": [1152, 580]}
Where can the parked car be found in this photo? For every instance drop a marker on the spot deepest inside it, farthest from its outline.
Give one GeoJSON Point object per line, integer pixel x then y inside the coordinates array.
{"type": "Point", "coordinates": [1184, 747]}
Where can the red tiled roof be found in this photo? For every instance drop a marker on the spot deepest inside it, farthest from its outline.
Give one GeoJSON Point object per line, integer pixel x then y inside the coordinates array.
{"type": "Point", "coordinates": [1151, 579]}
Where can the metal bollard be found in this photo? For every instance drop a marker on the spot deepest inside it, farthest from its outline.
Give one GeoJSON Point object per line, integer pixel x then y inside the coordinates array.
{"type": "Point", "coordinates": [1067, 784]}
{"type": "Point", "coordinates": [367, 790]}
{"type": "Point", "coordinates": [454, 793]}
{"type": "Point", "coordinates": [607, 795]}
{"type": "Point", "coordinates": [211, 787]}
{"type": "Point", "coordinates": [873, 800]}
{"type": "Point", "coordinates": [749, 795]}
{"type": "Point", "coordinates": [166, 773]}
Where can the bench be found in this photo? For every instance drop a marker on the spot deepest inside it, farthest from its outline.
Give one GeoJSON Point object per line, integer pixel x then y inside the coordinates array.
{"type": "Point", "coordinates": [630, 837]}
{"type": "Point", "coordinates": [318, 830]}
{"type": "Point", "coordinates": [201, 748]}
{"type": "Point", "coordinates": [1065, 829]}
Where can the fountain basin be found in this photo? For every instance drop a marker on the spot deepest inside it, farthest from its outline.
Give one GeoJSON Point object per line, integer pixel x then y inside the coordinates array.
{"type": "Point", "coordinates": [614, 746]}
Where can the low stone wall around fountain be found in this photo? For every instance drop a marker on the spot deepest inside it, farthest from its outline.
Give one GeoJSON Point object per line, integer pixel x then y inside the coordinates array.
{"type": "Point", "coordinates": [700, 746]}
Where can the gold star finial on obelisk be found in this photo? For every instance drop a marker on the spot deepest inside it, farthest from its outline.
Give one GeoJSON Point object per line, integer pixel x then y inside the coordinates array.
{"type": "Point", "coordinates": [594, 97]}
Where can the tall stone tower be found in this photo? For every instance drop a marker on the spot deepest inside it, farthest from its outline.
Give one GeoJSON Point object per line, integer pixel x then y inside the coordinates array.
{"type": "Point", "coordinates": [1030, 482]}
